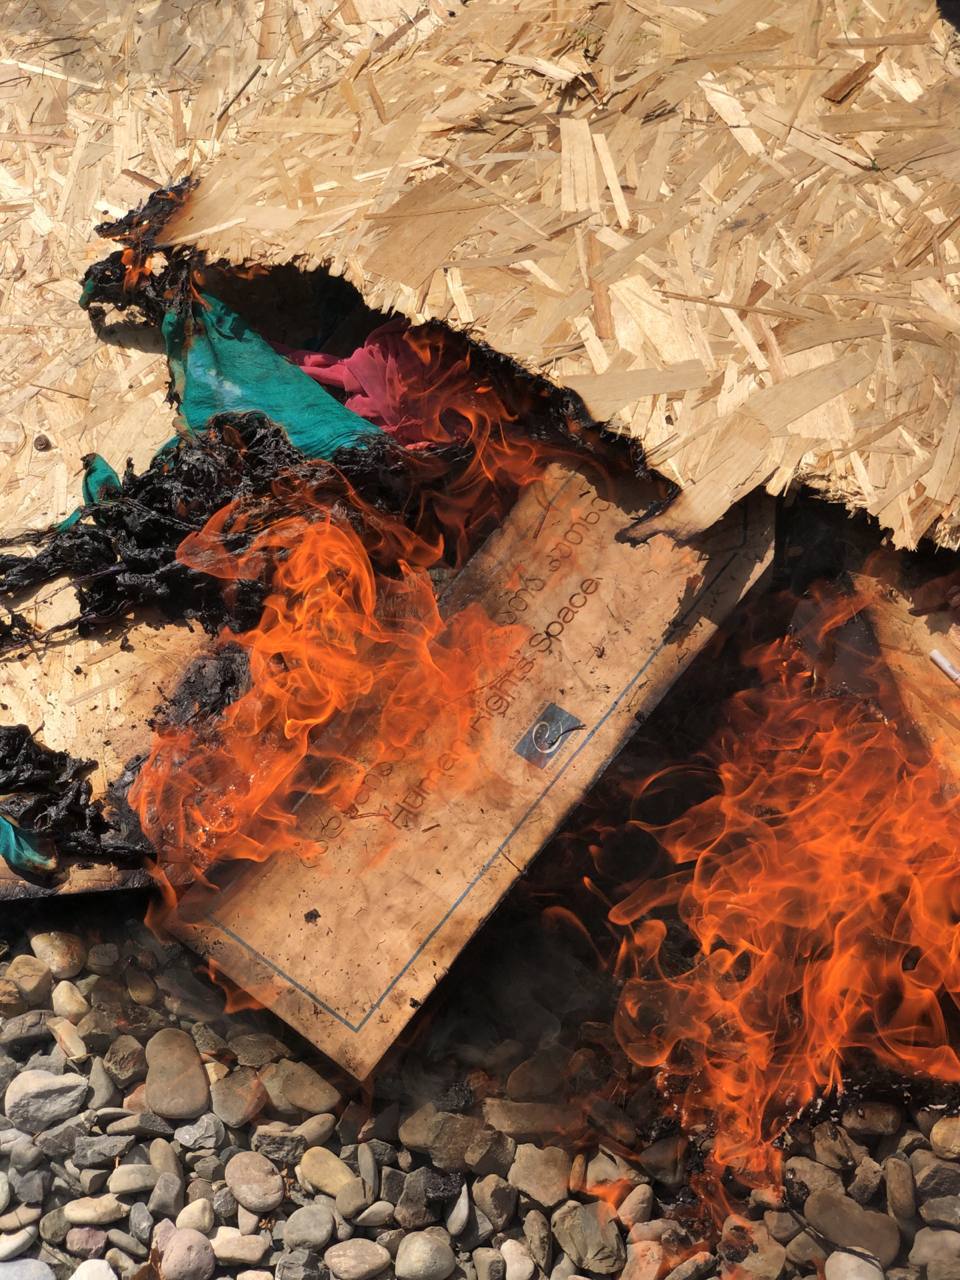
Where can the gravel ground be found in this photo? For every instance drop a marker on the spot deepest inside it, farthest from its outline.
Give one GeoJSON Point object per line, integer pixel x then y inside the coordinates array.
{"type": "Point", "coordinates": [146, 1132]}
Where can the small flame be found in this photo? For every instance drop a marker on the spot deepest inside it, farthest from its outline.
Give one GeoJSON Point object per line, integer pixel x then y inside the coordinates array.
{"type": "Point", "coordinates": [819, 884]}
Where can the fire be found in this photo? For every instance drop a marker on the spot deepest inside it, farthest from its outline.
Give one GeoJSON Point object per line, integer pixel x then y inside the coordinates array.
{"type": "Point", "coordinates": [819, 886]}
{"type": "Point", "coordinates": [351, 632]}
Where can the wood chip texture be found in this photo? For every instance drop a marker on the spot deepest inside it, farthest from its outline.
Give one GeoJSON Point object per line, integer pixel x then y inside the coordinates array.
{"type": "Point", "coordinates": [731, 225]}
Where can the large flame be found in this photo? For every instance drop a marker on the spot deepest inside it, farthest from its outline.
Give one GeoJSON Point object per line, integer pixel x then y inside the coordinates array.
{"type": "Point", "coordinates": [351, 632]}
{"type": "Point", "coordinates": [819, 885]}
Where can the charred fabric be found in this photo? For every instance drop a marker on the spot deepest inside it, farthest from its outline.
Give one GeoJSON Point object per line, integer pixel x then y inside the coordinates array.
{"type": "Point", "coordinates": [119, 548]}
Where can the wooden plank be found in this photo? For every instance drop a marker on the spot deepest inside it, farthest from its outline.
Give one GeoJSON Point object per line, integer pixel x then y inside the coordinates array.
{"type": "Point", "coordinates": [347, 947]}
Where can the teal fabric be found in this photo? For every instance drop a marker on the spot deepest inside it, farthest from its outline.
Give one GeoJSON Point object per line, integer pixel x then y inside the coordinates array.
{"type": "Point", "coordinates": [220, 365]}
{"type": "Point", "coordinates": [99, 481]}
{"type": "Point", "coordinates": [20, 853]}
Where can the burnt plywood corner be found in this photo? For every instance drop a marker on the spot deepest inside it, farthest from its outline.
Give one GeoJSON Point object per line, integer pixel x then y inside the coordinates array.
{"type": "Point", "coordinates": [347, 946]}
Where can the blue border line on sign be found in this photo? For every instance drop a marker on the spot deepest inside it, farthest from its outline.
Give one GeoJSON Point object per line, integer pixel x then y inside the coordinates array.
{"type": "Point", "coordinates": [356, 1027]}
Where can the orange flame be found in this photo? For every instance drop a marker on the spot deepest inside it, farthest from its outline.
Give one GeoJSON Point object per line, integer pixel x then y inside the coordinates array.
{"type": "Point", "coordinates": [351, 631]}
{"type": "Point", "coordinates": [820, 887]}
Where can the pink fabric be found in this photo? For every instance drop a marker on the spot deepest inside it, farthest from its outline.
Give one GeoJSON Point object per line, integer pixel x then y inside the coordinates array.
{"type": "Point", "coordinates": [396, 380]}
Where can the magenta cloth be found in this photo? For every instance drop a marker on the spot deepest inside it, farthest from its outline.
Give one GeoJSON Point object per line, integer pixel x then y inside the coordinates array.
{"type": "Point", "coordinates": [394, 380]}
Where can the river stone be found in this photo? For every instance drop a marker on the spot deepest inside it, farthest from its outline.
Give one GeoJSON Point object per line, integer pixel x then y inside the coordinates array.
{"type": "Point", "coordinates": [132, 1179]}
{"type": "Point", "coordinates": [238, 1097]}
{"type": "Point", "coordinates": [17, 1242]}
{"type": "Point", "coordinates": [588, 1233]}
{"type": "Point", "coordinates": [125, 1061]}
{"type": "Point", "coordinates": [747, 1250]}
{"type": "Point", "coordinates": [315, 1130]}
{"type": "Point", "coordinates": [141, 988]}
{"type": "Point", "coordinates": [25, 1030]}
{"type": "Point", "coordinates": [937, 1178]}
{"type": "Point", "coordinates": [803, 1176]}
{"type": "Point", "coordinates": [845, 1223]}
{"type": "Point", "coordinates": [26, 1269]}
{"type": "Point", "coordinates": [849, 1266]}
{"type": "Point", "coordinates": [520, 1265]}
{"type": "Point", "coordinates": [636, 1207]}
{"type": "Point", "coordinates": [941, 1211]}
{"type": "Point", "coordinates": [198, 1215]}
{"type": "Point", "coordinates": [945, 1137]}
{"type": "Point", "coordinates": [94, 1269]}
{"type": "Point", "coordinates": [458, 1215]}
{"type": "Point", "coordinates": [32, 979]}
{"type": "Point", "coordinates": [542, 1173]}
{"type": "Point", "coordinates": [37, 1100]}
{"type": "Point", "coordinates": [208, 1131]}
{"type": "Point", "coordinates": [280, 1143]}
{"type": "Point", "coordinates": [872, 1119]}
{"type": "Point", "coordinates": [254, 1182]}
{"type": "Point", "coordinates": [234, 1249]}
{"type": "Point", "coordinates": [257, 1049]}
{"type": "Point", "coordinates": [932, 1245]}
{"type": "Point", "coordinates": [94, 1211]}
{"type": "Point", "coordinates": [177, 1085]}
{"type": "Point", "coordinates": [357, 1259]}
{"type": "Point", "coordinates": [490, 1264]}
{"type": "Point", "coordinates": [64, 954]}
{"type": "Point", "coordinates": [140, 1222]}
{"type": "Point", "coordinates": [309, 1228]}
{"type": "Point", "coordinates": [497, 1198]}
{"type": "Point", "coordinates": [323, 1171]}
{"type": "Point", "coordinates": [301, 1088]}
{"type": "Point", "coordinates": [423, 1257]}
{"type": "Point", "coordinates": [188, 1256]}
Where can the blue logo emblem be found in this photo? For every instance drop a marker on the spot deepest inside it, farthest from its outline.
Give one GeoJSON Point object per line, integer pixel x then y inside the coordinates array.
{"type": "Point", "coordinates": [548, 735]}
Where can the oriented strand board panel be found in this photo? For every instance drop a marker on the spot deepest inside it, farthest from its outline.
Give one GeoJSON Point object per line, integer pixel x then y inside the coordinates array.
{"type": "Point", "coordinates": [908, 642]}
{"type": "Point", "coordinates": [733, 224]}
{"type": "Point", "coordinates": [347, 948]}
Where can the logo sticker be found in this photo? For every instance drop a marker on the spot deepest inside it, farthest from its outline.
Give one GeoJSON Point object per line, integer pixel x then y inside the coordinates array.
{"type": "Point", "coordinates": [548, 735]}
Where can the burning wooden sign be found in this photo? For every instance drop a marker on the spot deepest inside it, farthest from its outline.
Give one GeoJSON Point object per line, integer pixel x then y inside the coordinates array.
{"type": "Point", "coordinates": [360, 906]}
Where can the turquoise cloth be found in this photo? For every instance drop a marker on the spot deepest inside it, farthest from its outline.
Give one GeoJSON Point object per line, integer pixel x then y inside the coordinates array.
{"type": "Point", "coordinates": [220, 365]}
{"type": "Point", "coordinates": [20, 853]}
{"type": "Point", "coordinates": [99, 481]}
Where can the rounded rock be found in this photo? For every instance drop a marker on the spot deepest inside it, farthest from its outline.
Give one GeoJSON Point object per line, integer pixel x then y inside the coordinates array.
{"type": "Point", "coordinates": [32, 979]}
{"type": "Point", "coordinates": [254, 1181]}
{"type": "Point", "coordinates": [37, 1100]}
{"type": "Point", "coordinates": [17, 1242]}
{"type": "Point", "coordinates": [238, 1097]}
{"type": "Point", "coordinates": [177, 1085]}
{"type": "Point", "coordinates": [423, 1257]}
{"type": "Point", "coordinates": [64, 954]}
{"type": "Point", "coordinates": [188, 1256]}
{"type": "Point", "coordinates": [26, 1269]}
{"type": "Point", "coordinates": [309, 1228]}
{"type": "Point", "coordinates": [198, 1215]}
{"type": "Point", "coordinates": [325, 1172]}
{"type": "Point", "coordinates": [94, 1269]}
{"type": "Point", "coordinates": [849, 1266]}
{"type": "Point", "coordinates": [945, 1137]}
{"type": "Point", "coordinates": [94, 1211]}
{"type": "Point", "coordinates": [357, 1259]}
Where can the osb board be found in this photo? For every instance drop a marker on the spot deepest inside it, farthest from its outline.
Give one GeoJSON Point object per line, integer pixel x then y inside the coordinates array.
{"type": "Point", "coordinates": [907, 641]}
{"type": "Point", "coordinates": [732, 223]}
{"type": "Point", "coordinates": [346, 946]}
